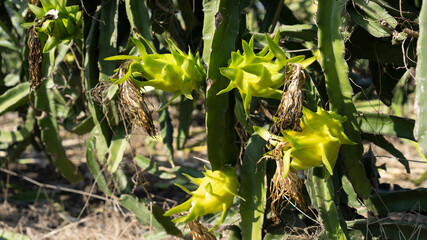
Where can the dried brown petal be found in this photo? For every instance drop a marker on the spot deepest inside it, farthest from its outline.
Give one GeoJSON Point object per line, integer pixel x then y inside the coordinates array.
{"type": "Point", "coordinates": [288, 117]}
{"type": "Point", "coordinates": [133, 103]}
{"type": "Point", "coordinates": [291, 186]}
{"type": "Point", "coordinates": [290, 108]}
{"type": "Point", "coordinates": [35, 58]}
{"type": "Point", "coordinates": [199, 232]}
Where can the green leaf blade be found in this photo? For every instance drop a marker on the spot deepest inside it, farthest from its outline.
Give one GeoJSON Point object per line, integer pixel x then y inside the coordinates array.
{"type": "Point", "coordinates": [117, 147]}
{"type": "Point", "coordinates": [50, 134]}
{"type": "Point", "coordinates": [339, 89]}
{"type": "Point", "coordinates": [152, 218]}
{"type": "Point", "coordinates": [14, 97]}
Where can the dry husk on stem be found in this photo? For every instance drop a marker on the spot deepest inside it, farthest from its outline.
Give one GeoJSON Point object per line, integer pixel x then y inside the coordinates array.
{"type": "Point", "coordinates": [290, 109]}
{"type": "Point", "coordinates": [35, 57]}
{"type": "Point", "coordinates": [287, 117]}
{"type": "Point", "coordinates": [131, 102]}
{"type": "Point", "coordinates": [199, 232]}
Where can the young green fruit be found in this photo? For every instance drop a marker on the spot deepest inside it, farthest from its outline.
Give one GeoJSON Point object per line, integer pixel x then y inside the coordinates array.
{"type": "Point", "coordinates": [215, 193]}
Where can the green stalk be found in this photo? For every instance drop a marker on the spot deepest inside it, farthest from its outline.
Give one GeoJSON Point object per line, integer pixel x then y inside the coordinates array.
{"type": "Point", "coordinates": [339, 90]}
{"type": "Point", "coordinates": [253, 189]}
{"type": "Point", "coordinates": [420, 130]}
{"type": "Point", "coordinates": [137, 13]}
{"type": "Point", "coordinates": [221, 26]}
{"type": "Point", "coordinates": [107, 42]}
{"type": "Point", "coordinates": [21, 134]}
{"type": "Point", "coordinates": [322, 197]}
{"type": "Point", "coordinates": [94, 146]}
{"type": "Point", "coordinates": [91, 73]}
{"type": "Point", "coordinates": [14, 97]}
{"type": "Point", "coordinates": [49, 130]}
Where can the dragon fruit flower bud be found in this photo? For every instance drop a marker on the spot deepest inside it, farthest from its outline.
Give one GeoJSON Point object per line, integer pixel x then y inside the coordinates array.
{"type": "Point", "coordinates": [254, 75]}
{"type": "Point", "coordinates": [317, 144]}
{"type": "Point", "coordinates": [260, 74]}
{"type": "Point", "coordinates": [215, 193]}
{"type": "Point", "coordinates": [174, 72]}
{"type": "Point", "coordinates": [319, 141]}
{"type": "Point", "coordinates": [56, 22]}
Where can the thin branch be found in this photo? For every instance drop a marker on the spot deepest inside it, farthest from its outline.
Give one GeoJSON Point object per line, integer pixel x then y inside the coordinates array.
{"type": "Point", "coordinates": [299, 210]}
{"type": "Point", "coordinates": [401, 159]}
{"type": "Point", "coordinates": [43, 185]}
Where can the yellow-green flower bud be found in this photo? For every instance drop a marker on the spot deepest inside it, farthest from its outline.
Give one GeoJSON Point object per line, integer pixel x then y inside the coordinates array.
{"type": "Point", "coordinates": [215, 193]}
{"type": "Point", "coordinates": [257, 75]}
{"type": "Point", "coordinates": [254, 74]}
{"type": "Point", "coordinates": [60, 22]}
{"type": "Point", "coordinates": [317, 144]}
{"type": "Point", "coordinates": [174, 72]}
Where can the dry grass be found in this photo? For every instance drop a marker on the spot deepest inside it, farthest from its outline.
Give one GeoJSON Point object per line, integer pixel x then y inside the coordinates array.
{"type": "Point", "coordinates": [44, 221]}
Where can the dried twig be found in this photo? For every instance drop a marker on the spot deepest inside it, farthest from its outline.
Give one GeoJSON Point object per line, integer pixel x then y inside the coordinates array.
{"type": "Point", "coordinates": [56, 187]}
{"type": "Point", "coordinates": [199, 232]}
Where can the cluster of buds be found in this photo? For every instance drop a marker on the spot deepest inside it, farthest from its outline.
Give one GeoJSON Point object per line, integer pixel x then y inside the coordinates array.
{"type": "Point", "coordinates": [57, 23]}
{"type": "Point", "coordinates": [317, 144]}
{"type": "Point", "coordinates": [215, 193]}
{"type": "Point", "coordinates": [256, 74]}
{"type": "Point", "coordinates": [174, 72]}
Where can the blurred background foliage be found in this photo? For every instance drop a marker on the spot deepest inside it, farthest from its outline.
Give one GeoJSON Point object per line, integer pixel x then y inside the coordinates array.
{"type": "Point", "coordinates": [367, 69]}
